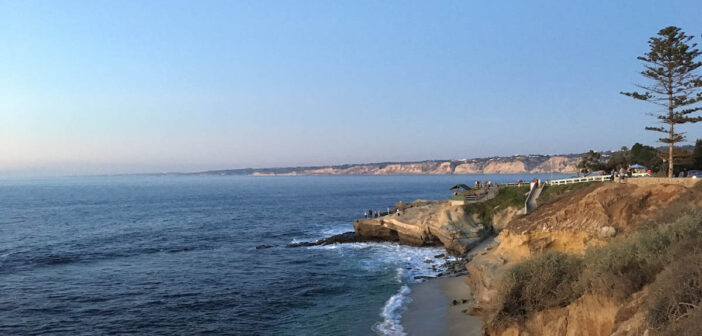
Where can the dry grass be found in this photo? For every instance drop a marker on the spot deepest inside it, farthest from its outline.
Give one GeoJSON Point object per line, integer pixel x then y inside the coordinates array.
{"type": "Point", "coordinates": [545, 281]}
{"type": "Point", "coordinates": [552, 193]}
{"type": "Point", "coordinates": [669, 256]}
{"type": "Point", "coordinates": [626, 265]}
{"type": "Point", "coordinates": [675, 299]}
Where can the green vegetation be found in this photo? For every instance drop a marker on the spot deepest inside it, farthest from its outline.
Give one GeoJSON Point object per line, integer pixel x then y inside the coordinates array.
{"type": "Point", "coordinates": [647, 156]}
{"type": "Point", "coordinates": [516, 196]}
{"type": "Point", "coordinates": [552, 193]}
{"type": "Point", "coordinates": [545, 281]}
{"type": "Point", "coordinates": [668, 257]}
{"type": "Point", "coordinates": [675, 299]}
{"type": "Point", "coordinates": [697, 155]}
{"type": "Point", "coordinates": [590, 162]}
{"type": "Point", "coordinates": [506, 197]}
{"type": "Point", "coordinates": [671, 66]}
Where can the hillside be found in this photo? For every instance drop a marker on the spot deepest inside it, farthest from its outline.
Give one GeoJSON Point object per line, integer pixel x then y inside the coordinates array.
{"type": "Point", "coordinates": [595, 262]}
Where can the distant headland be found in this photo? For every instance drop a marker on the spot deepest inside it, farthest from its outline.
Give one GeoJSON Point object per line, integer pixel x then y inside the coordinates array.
{"type": "Point", "coordinates": [516, 164]}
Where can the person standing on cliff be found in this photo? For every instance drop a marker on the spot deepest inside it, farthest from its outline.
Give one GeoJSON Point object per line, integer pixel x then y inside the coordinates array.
{"type": "Point", "coordinates": [622, 174]}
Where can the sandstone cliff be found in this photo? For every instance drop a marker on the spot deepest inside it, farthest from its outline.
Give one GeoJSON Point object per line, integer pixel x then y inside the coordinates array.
{"type": "Point", "coordinates": [424, 223]}
{"type": "Point", "coordinates": [495, 165]}
{"type": "Point", "coordinates": [588, 217]}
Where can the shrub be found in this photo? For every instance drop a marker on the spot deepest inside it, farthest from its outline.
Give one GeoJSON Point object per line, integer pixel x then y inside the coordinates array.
{"type": "Point", "coordinates": [675, 299]}
{"type": "Point", "coordinates": [506, 197]}
{"type": "Point", "coordinates": [545, 281]}
{"type": "Point", "coordinates": [623, 267]}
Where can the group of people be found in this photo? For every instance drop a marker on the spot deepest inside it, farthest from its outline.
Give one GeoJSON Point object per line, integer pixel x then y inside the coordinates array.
{"type": "Point", "coordinates": [620, 175]}
{"type": "Point", "coordinates": [483, 184]}
{"type": "Point", "coordinates": [376, 213]}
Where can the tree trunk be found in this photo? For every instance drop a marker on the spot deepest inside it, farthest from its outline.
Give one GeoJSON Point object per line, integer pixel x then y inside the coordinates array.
{"type": "Point", "coordinates": [672, 133]}
{"type": "Point", "coordinates": [670, 153]}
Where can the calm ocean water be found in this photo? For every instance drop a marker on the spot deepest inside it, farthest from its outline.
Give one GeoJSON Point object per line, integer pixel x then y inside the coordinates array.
{"type": "Point", "coordinates": [174, 255]}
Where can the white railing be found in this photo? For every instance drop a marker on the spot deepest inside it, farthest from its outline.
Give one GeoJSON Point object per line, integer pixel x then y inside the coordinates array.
{"type": "Point", "coordinates": [597, 178]}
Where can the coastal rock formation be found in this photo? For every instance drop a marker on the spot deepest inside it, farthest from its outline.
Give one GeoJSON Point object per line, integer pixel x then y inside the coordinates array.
{"type": "Point", "coordinates": [467, 168]}
{"type": "Point", "coordinates": [513, 167]}
{"type": "Point", "coordinates": [588, 217]}
{"type": "Point", "coordinates": [424, 223]}
{"type": "Point", "coordinates": [556, 164]}
{"type": "Point", "coordinates": [494, 165]}
{"type": "Point", "coordinates": [346, 237]}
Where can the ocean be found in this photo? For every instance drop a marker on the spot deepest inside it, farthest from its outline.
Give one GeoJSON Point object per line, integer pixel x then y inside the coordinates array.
{"type": "Point", "coordinates": [176, 255]}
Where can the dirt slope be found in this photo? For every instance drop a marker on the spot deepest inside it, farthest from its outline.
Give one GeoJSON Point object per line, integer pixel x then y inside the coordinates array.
{"type": "Point", "coordinates": [587, 217]}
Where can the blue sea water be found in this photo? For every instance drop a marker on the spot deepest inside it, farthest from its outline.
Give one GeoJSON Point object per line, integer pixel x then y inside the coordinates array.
{"type": "Point", "coordinates": [175, 255]}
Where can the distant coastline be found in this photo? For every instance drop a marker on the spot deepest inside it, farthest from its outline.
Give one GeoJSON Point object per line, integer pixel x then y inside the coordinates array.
{"type": "Point", "coordinates": [517, 164]}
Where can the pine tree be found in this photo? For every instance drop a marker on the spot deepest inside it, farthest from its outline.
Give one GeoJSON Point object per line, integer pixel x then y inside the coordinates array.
{"type": "Point", "coordinates": [671, 66]}
{"type": "Point", "coordinates": [697, 155]}
{"type": "Point", "coordinates": [590, 162]}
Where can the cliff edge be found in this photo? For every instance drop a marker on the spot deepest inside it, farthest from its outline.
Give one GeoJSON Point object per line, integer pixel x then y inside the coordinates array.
{"type": "Point", "coordinates": [590, 217]}
{"type": "Point", "coordinates": [426, 223]}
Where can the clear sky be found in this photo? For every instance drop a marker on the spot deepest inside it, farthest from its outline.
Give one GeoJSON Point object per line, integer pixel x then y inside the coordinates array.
{"type": "Point", "coordinates": [151, 86]}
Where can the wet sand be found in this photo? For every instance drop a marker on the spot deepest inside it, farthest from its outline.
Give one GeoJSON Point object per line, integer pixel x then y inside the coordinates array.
{"type": "Point", "coordinates": [431, 312]}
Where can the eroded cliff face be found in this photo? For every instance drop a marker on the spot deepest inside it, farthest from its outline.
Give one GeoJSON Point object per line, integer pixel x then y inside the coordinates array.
{"type": "Point", "coordinates": [586, 218]}
{"type": "Point", "coordinates": [577, 319]}
{"type": "Point", "coordinates": [424, 223]}
{"type": "Point", "coordinates": [496, 165]}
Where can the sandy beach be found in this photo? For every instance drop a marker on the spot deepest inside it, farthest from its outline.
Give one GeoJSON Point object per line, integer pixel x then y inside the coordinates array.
{"type": "Point", "coordinates": [431, 311]}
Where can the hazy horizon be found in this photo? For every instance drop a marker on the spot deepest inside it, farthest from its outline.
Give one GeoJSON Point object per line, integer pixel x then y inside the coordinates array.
{"type": "Point", "coordinates": [173, 86]}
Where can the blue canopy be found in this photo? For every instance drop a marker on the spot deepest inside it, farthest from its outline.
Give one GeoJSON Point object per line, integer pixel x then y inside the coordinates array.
{"type": "Point", "coordinates": [638, 166]}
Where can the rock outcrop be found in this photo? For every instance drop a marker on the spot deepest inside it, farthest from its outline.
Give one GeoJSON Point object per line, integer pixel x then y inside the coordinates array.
{"type": "Point", "coordinates": [425, 223]}
{"type": "Point", "coordinates": [346, 237]}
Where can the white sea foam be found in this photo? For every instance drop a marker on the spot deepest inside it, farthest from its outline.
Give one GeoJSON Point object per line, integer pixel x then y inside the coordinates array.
{"type": "Point", "coordinates": [381, 255]}
{"type": "Point", "coordinates": [335, 231]}
{"type": "Point", "coordinates": [409, 263]}
{"type": "Point", "coordinates": [392, 313]}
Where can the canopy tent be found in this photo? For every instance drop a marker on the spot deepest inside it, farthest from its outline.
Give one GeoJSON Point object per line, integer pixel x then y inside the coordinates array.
{"type": "Point", "coordinates": [637, 166]}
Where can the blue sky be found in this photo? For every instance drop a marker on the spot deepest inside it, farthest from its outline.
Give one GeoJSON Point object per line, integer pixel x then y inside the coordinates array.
{"type": "Point", "coordinates": [150, 86]}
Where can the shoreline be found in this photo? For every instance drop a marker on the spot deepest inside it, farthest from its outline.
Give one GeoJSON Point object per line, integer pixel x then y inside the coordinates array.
{"type": "Point", "coordinates": [431, 311]}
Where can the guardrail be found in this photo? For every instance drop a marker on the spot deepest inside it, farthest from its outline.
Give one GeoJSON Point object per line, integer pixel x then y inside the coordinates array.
{"type": "Point", "coordinates": [467, 197]}
{"type": "Point", "coordinates": [597, 178]}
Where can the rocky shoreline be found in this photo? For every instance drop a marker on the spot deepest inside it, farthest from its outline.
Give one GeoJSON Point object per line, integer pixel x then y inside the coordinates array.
{"type": "Point", "coordinates": [586, 217]}
{"type": "Point", "coordinates": [449, 266]}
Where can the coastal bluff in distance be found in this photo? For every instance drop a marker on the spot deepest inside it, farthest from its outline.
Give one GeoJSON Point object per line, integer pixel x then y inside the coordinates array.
{"type": "Point", "coordinates": [517, 164]}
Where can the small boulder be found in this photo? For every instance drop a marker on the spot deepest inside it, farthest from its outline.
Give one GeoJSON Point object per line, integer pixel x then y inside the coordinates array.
{"type": "Point", "coordinates": [607, 232]}
{"type": "Point", "coordinates": [259, 247]}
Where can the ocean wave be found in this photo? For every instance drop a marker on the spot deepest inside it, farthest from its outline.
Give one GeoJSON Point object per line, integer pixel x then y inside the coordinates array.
{"type": "Point", "coordinates": [392, 313]}
{"type": "Point", "coordinates": [410, 263]}
{"type": "Point", "coordinates": [412, 259]}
